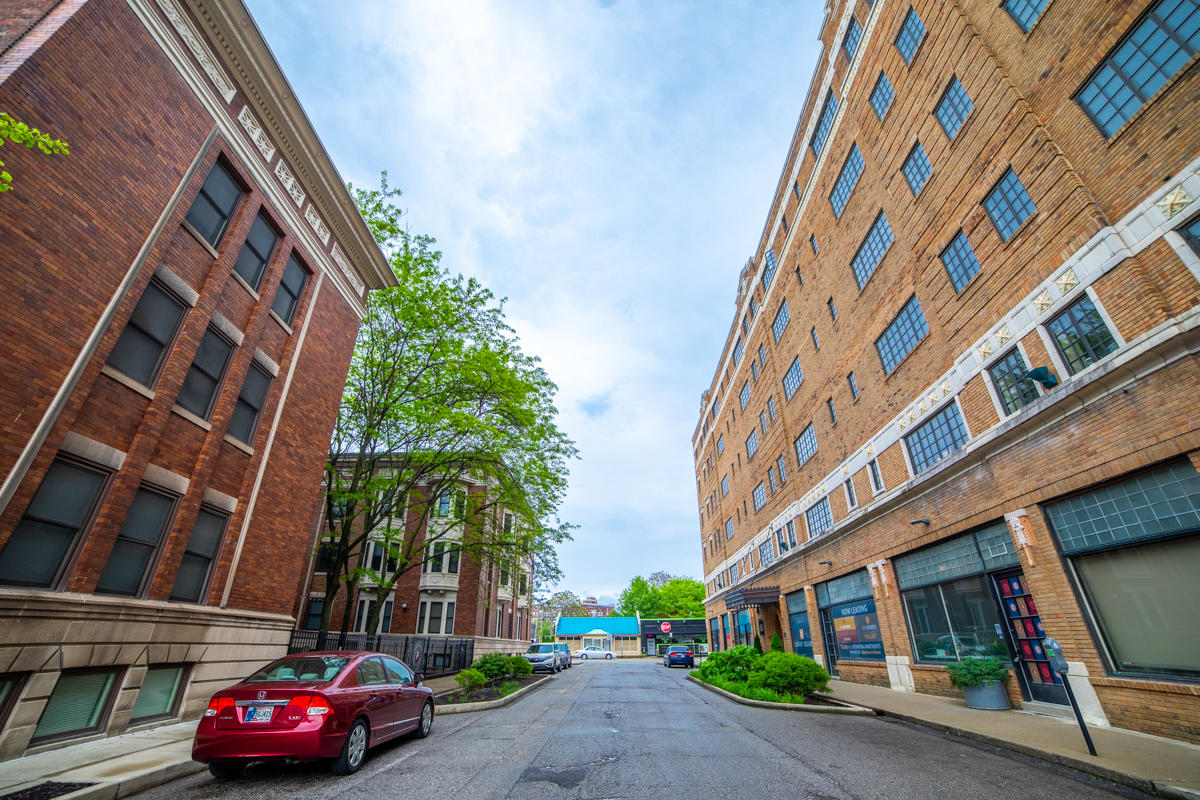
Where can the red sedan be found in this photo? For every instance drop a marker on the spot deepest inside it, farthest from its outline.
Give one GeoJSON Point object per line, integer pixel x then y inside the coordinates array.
{"type": "Point", "coordinates": [309, 706]}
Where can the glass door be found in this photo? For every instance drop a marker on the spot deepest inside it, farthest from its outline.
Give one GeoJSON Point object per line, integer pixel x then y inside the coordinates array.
{"type": "Point", "coordinates": [829, 638]}
{"type": "Point", "coordinates": [1025, 630]}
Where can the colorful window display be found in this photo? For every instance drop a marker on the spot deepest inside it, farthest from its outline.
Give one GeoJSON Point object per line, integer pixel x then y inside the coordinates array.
{"type": "Point", "coordinates": [849, 618]}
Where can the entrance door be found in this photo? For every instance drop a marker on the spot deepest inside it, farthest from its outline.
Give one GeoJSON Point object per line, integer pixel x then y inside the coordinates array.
{"type": "Point", "coordinates": [801, 640]}
{"type": "Point", "coordinates": [829, 637]}
{"type": "Point", "coordinates": [1025, 631]}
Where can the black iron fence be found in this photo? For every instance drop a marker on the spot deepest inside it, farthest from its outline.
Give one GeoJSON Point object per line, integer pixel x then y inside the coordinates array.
{"type": "Point", "coordinates": [431, 655]}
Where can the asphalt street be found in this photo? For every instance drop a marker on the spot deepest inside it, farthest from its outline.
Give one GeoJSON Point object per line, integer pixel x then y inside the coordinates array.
{"type": "Point", "coordinates": [634, 729]}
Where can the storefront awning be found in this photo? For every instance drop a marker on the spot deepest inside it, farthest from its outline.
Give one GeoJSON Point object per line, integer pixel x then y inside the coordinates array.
{"type": "Point", "coordinates": [751, 596]}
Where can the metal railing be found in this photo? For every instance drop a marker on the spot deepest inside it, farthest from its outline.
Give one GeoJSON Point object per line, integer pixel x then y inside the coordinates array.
{"type": "Point", "coordinates": [432, 656]}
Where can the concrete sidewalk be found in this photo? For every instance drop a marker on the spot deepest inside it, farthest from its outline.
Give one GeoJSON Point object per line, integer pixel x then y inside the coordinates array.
{"type": "Point", "coordinates": [1150, 763]}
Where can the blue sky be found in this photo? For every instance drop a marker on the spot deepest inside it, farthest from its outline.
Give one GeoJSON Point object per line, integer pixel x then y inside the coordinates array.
{"type": "Point", "coordinates": [607, 167]}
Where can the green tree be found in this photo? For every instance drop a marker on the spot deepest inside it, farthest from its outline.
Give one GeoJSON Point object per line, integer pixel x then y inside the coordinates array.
{"type": "Point", "coordinates": [19, 133]}
{"type": "Point", "coordinates": [439, 393]}
{"type": "Point", "coordinates": [642, 598]}
{"type": "Point", "coordinates": [683, 597]}
{"type": "Point", "coordinates": [662, 595]}
{"type": "Point", "coordinates": [565, 604]}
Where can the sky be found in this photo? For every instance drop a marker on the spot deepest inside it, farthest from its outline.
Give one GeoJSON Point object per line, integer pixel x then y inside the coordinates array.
{"type": "Point", "coordinates": [608, 167]}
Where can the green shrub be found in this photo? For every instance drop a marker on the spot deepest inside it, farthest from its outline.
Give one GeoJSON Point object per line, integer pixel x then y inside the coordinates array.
{"type": "Point", "coordinates": [470, 679]}
{"type": "Point", "coordinates": [977, 671]}
{"type": "Point", "coordinates": [776, 643]}
{"type": "Point", "coordinates": [518, 666]}
{"type": "Point", "coordinates": [495, 666]}
{"type": "Point", "coordinates": [788, 673]}
{"type": "Point", "coordinates": [509, 687]}
{"type": "Point", "coordinates": [757, 645]}
{"type": "Point", "coordinates": [734, 664]}
{"type": "Point", "coordinates": [755, 692]}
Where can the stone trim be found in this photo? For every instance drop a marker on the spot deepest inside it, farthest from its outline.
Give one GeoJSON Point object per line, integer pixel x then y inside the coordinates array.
{"type": "Point", "coordinates": [90, 450]}
{"type": "Point", "coordinates": [160, 476]}
{"type": "Point", "coordinates": [177, 284]}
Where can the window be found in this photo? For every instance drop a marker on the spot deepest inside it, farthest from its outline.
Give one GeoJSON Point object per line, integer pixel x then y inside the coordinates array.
{"type": "Point", "coordinates": [793, 379]}
{"type": "Point", "coordinates": [1012, 385]}
{"type": "Point", "coordinates": [746, 325]}
{"type": "Point", "coordinates": [796, 189]}
{"type": "Point", "coordinates": [762, 421]}
{"type": "Point", "coordinates": [824, 124]}
{"type": "Point", "coordinates": [1081, 335]}
{"type": "Point", "coordinates": [744, 395]}
{"type": "Point", "coordinates": [443, 508]}
{"type": "Point", "coordinates": [737, 352]}
{"type": "Point", "coordinates": [156, 698]}
{"type": "Point", "coordinates": [752, 306]}
{"type": "Point", "coordinates": [912, 31]}
{"type": "Point", "coordinates": [1008, 205]}
{"type": "Point", "coordinates": [769, 269]}
{"type": "Point", "coordinates": [876, 475]}
{"type": "Point", "coordinates": [290, 289]}
{"type": "Point", "coordinates": [1025, 12]}
{"type": "Point", "coordinates": [729, 528]}
{"type": "Point", "coordinates": [733, 574]}
{"type": "Point", "coordinates": [721, 445]}
{"type": "Point", "coordinates": [819, 518]}
{"type": "Point", "coordinates": [249, 404]}
{"type": "Point", "coordinates": [782, 318]}
{"type": "Point", "coordinates": [771, 480]}
{"type": "Point", "coordinates": [851, 497]}
{"type": "Point", "coordinates": [762, 356]}
{"type": "Point", "coordinates": [1191, 234]}
{"type": "Point", "coordinates": [760, 496]}
{"type": "Point", "coordinates": [140, 349]}
{"type": "Point", "coordinates": [204, 376]}
{"type": "Point", "coordinates": [766, 552]}
{"type": "Point", "coordinates": [312, 620]}
{"type": "Point", "coordinates": [783, 221]}
{"type": "Point", "coordinates": [79, 704]}
{"type": "Point", "coordinates": [383, 564]}
{"type": "Point", "coordinates": [939, 436]}
{"type": "Point", "coordinates": [953, 620]}
{"type": "Point", "coordinates": [724, 485]}
{"type": "Point", "coordinates": [901, 335]}
{"type": "Point", "coordinates": [881, 96]}
{"type": "Point", "coordinates": [791, 533]}
{"type": "Point", "coordinates": [815, 340]}
{"type": "Point", "coordinates": [46, 534]}
{"type": "Point", "coordinates": [1157, 47]}
{"type": "Point", "coordinates": [960, 262]}
{"type": "Point", "coordinates": [754, 370]}
{"type": "Point", "coordinates": [852, 38]}
{"type": "Point", "coordinates": [812, 242]}
{"type": "Point", "coordinates": [954, 108]}
{"type": "Point", "coordinates": [806, 445]}
{"type": "Point", "coordinates": [751, 445]}
{"type": "Point", "coordinates": [213, 206]}
{"type": "Point", "coordinates": [917, 169]}
{"type": "Point", "coordinates": [847, 178]}
{"type": "Point", "coordinates": [771, 407]}
{"type": "Point", "coordinates": [781, 540]}
{"type": "Point", "coordinates": [452, 555]}
{"type": "Point", "coordinates": [874, 245]}
{"type": "Point", "coordinates": [779, 462]}
{"type": "Point", "coordinates": [133, 554]}
{"type": "Point", "coordinates": [832, 309]}
{"type": "Point", "coordinates": [853, 385]}
{"type": "Point", "coordinates": [832, 410]}
{"type": "Point", "coordinates": [199, 554]}
{"type": "Point", "coordinates": [256, 252]}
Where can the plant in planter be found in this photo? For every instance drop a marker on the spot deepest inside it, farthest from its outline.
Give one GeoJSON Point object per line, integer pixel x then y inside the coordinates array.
{"type": "Point", "coordinates": [982, 681]}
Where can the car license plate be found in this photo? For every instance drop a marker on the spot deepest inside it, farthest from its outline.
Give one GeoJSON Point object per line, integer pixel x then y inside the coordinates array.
{"type": "Point", "coordinates": [259, 713]}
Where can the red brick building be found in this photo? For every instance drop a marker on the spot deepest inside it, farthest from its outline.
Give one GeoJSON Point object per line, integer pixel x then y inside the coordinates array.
{"type": "Point", "coordinates": [178, 306]}
{"type": "Point", "coordinates": [450, 593]}
{"type": "Point", "coordinates": [956, 410]}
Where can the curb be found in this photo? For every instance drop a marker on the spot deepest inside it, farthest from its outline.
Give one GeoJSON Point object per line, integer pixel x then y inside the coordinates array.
{"type": "Point", "coordinates": [467, 708]}
{"type": "Point", "coordinates": [139, 782]}
{"type": "Point", "coordinates": [846, 708]}
{"type": "Point", "coordinates": [1122, 778]}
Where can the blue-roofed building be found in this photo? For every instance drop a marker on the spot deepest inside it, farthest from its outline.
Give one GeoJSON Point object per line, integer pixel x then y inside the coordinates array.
{"type": "Point", "coordinates": [618, 634]}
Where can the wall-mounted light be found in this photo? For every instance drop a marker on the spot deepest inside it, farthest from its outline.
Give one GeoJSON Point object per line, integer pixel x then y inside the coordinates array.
{"type": "Point", "coordinates": [827, 563]}
{"type": "Point", "coordinates": [921, 521]}
{"type": "Point", "coordinates": [404, 606]}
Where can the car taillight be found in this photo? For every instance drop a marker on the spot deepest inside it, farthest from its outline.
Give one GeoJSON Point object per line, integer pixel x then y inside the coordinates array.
{"type": "Point", "coordinates": [313, 705]}
{"type": "Point", "coordinates": [217, 704]}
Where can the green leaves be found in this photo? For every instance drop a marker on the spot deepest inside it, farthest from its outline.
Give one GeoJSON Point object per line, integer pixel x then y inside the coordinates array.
{"type": "Point", "coordinates": [19, 133]}
{"type": "Point", "coordinates": [662, 596]}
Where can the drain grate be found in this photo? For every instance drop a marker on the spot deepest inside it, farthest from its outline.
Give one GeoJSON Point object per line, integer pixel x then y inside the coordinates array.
{"type": "Point", "coordinates": [45, 791]}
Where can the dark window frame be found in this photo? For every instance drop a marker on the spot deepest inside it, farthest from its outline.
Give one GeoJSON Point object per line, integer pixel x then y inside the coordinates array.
{"type": "Point", "coordinates": [295, 296]}
{"type": "Point", "coordinates": [165, 347]}
{"type": "Point", "coordinates": [185, 674]}
{"type": "Point", "coordinates": [218, 380]}
{"type": "Point", "coordinates": [157, 549]}
{"type": "Point", "coordinates": [226, 214]}
{"type": "Point", "coordinates": [105, 708]}
{"type": "Point", "coordinates": [262, 260]}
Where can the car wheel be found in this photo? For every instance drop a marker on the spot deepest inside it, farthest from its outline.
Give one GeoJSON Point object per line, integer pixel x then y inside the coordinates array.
{"type": "Point", "coordinates": [583, 657]}
{"type": "Point", "coordinates": [226, 769]}
{"type": "Point", "coordinates": [608, 657]}
{"type": "Point", "coordinates": [353, 751]}
{"type": "Point", "coordinates": [426, 723]}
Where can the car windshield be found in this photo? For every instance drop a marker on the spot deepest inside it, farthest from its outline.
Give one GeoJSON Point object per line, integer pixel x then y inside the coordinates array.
{"type": "Point", "coordinates": [540, 648]}
{"type": "Point", "coordinates": [313, 668]}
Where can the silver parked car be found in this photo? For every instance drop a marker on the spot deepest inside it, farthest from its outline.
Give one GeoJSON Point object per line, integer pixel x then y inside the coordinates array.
{"type": "Point", "coordinates": [548, 657]}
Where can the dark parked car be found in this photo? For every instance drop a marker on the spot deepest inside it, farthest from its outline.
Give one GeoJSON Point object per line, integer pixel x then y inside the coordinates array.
{"type": "Point", "coordinates": [678, 654]}
{"type": "Point", "coordinates": [310, 706]}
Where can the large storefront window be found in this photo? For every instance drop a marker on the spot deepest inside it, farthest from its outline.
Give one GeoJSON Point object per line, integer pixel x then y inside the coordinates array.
{"type": "Point", "coordinates": [798, 624]}
{"type": "Point", "coordinates": [848, 618]}
{"type": "Point", "coordinates": [1134, 548]}
{"type": "Point", "coordinates": [744, 633]}
{"type": "Point", "coordinates": [714, 634]}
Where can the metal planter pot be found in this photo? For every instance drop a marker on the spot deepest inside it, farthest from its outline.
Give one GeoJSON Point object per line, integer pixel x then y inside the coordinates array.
{"type": "Point", "coordinates": [988, 696]}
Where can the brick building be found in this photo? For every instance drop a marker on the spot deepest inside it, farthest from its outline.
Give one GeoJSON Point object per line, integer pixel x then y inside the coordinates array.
{"type": "Point", "coordinates": [975, 191]}
{"type": "Point", "coordinates": [451, 593]}
{"type": "Point", "coordinates": [178, 307]}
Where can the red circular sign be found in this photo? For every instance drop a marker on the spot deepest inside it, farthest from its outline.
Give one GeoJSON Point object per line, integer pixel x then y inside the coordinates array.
{"type": "Point", "coordinates": [665, 627]}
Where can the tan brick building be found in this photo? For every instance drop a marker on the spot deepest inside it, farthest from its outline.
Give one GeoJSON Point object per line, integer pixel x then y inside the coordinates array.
{"type": "Point", "coordinates": [178, 306]}
{"type": "Point", "coordinates": [976, 189]}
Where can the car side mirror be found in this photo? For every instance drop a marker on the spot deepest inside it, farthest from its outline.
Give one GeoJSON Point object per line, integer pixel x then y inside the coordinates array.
{"type": "Point", "coordinates": [420, 677]}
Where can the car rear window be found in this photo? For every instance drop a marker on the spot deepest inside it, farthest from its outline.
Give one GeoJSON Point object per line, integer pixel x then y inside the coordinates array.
{"type": "Point", "coordinates": [678, 650]}
{"type": "Point", "coordinates": [319, 668]}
